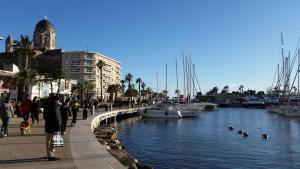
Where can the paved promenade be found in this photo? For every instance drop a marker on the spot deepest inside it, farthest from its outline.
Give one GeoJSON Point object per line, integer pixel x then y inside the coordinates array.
{"type": "Point", "coordinates": [29, 151]}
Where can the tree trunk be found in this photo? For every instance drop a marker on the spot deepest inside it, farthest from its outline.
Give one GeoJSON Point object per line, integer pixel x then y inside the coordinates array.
{"type": "Point", "coordinates": [51, 87]}
{"type": "Point", "coordinates": [58, 86]}
{"type": "Point", "coordinates": [26, 62]}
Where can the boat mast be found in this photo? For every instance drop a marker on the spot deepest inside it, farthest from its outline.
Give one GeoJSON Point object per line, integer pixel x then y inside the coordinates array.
{"type": "Point", "coordinates": [183, 62]}
{"type": "Point", "coordinates": [166, 81]}
{"type": "Point", "coordinates": [177, 90]}
{"type": "Point", "coordinates": [156, 86]}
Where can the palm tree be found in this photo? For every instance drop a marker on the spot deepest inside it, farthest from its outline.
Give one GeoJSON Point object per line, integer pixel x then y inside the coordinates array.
{"type": "Point", "coordinates": [86, 87]}
{"type": "Point", "coordinates": [128, 78]}
{"type": "Point", "coordinates": [100, 64]}
{"type": "Point", "coordinates": [143, 85]}
{"type": "Point", "coordinates": [241, 88]}
{"type": "Point", "coordinates": [131, 92]}
{"type": "Point", "coordinates": [139, 81]}
{"type": "Point", "coordinates": [27, 78]}
{"type": "Point", "coordinates": [82, 90]}
{"type": "Point", "coordinates": [24, 49]}
{"type": "Point", "coordinates": [52, 77]}
{"type": "Point", "coordinates": [225, 90]}
{"type": "Point", "coordinates": [123, 86]}
{"type": "Point", "coordinates": [114, 89]}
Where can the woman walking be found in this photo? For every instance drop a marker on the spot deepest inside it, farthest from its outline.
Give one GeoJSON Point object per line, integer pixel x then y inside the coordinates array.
{"type": "Point", "coordinates": [64, 110]}
{"type": "Point", "coordinates": [35, 110]}
{"type": "Point", "coordinates": [75, 110]}
{"type": "Point", "coordinates": [85, 110]}
{"type": "Point", "coordinates": [7, 111]}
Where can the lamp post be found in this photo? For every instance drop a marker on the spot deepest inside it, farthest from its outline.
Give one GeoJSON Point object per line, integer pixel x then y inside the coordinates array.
{"type": "Point", "coordinates": [1, 38]}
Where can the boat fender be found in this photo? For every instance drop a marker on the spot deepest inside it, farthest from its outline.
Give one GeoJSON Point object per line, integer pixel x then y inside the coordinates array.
{"type": "Point", "coordinates": [166, 113]}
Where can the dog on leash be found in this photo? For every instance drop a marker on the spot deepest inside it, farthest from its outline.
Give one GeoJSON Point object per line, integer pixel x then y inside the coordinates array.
{"type": "Point", "coordinates": [25, 128]}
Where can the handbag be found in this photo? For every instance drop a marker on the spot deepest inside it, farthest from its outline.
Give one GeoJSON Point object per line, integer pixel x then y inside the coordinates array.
{"type": "Point", "coordinates": [57, 141]}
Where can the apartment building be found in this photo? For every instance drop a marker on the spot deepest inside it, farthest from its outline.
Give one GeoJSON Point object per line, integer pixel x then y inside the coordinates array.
{"type": "Point", "coordinates": [81, 66]}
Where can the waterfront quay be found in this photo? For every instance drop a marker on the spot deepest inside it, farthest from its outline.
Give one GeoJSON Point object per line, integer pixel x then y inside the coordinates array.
{"type": "Point", "coordinates": [81, 148]}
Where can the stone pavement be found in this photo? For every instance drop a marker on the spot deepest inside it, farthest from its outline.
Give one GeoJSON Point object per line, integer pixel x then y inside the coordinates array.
{"type": "Point", "coordinates": [29, 151]}
{"type": "Point", "coordinates": [80, 144]}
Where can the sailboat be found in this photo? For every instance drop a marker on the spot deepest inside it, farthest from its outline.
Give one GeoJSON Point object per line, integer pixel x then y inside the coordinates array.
{"type": "Point", "coordinates": [287, 106]}
{"type": "Point", "coordinates": [165, 109]}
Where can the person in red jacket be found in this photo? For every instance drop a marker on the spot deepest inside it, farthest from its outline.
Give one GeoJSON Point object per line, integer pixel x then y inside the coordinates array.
{"type": "Point", "coordinates": [26, 107]}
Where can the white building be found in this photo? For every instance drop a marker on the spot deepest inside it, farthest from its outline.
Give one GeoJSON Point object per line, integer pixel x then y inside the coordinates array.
{"type": "Point", "coordinates": [81, 66]}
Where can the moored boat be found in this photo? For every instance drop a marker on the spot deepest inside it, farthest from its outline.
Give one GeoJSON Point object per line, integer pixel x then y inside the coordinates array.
{"type": "Point", "coordinates": [161, 112]}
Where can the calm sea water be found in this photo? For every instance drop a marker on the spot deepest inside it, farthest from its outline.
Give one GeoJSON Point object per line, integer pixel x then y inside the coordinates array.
{"type": "Point", "coordinates": [206, 142]}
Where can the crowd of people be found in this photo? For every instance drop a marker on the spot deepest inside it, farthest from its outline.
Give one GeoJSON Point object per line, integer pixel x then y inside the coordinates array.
{"type": "Point", "coordinates": [55, 113]}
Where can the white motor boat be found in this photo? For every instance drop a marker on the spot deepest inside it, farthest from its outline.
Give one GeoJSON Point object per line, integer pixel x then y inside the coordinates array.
{"type": "Point", "coordinates": [189, 110]}
{"type": "Point", "coordinates": [161, 112]}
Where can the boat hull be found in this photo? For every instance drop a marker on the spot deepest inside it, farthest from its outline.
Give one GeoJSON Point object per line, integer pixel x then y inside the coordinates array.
{"type": "Point", "coordinates": [157, 113]}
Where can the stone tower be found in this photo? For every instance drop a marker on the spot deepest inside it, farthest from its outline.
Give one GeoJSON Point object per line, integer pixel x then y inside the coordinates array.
{"type": "Point", "coordinates": [44, 35]}
{"type": "Point", "coordinates": [9, 44]}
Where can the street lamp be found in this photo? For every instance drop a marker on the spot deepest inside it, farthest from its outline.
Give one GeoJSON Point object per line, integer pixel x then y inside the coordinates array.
{"type": "Point", "coordinates": [1, 38]}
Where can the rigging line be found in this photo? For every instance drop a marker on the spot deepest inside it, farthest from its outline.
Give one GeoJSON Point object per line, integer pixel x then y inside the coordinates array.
{"type": "Point", "coordinates": [196, 79]}
{"type": "Point", "coordinates": [294, 80]}
{"type": "Point", "coordinates": [274, 79]}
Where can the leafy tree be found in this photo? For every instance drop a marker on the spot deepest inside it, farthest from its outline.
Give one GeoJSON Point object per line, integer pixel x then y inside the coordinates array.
{"type": "Point", "coordinates": [250, 92]}
{"type": "Point", "coordinates": [100, 64]}
{"type": "Point", "coordinates": [260, 93]}
{"type": "Point", "coordinates": [131, 92]}
{"type": "Point", "coordinates": [198, 96]}
{"type": "Point", "coordinates": [213, 91]}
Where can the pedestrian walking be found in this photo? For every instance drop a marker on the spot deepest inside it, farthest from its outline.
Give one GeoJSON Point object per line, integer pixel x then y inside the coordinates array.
{"type": "Point", "coordinates": [85, 110]}
{"type": "Point", "coordinates": [35, 110]}
{"type": "Point", "coordinates": [7, 111]}
{"type": "Point", "coordinates": [64, 110]}
{"type": "Point", "coordinates": [53, 124]}
{"type": "Point", "coordinates": [26, 107]}
{"type": "Point", "coordinates": [96, 104]}
{"type": "Point", "coordinates": [75, 110]}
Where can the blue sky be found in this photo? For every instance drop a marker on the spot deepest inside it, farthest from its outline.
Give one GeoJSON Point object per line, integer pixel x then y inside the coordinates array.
{"type": "Point", "coordinates": [232, 42]}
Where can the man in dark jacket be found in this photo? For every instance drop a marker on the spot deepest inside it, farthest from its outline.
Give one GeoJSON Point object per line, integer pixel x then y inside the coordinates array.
{"type": "Point", "coordinates": [53, 123]}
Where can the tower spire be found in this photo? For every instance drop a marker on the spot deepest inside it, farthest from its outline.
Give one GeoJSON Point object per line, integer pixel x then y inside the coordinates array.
{"type": "Point", "coordinates": [45, 17]}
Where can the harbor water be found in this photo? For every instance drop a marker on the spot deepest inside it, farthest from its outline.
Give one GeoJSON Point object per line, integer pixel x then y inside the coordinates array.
{"type": "Point", "coordinates": [206, 141]}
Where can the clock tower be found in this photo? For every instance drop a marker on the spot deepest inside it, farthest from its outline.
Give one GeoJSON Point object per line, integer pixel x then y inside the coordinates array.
{"type": "Point", "coordinates": [44, 35]}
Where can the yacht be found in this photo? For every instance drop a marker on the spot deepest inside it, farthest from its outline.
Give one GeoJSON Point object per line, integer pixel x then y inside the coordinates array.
{"type": "Point", "coordinates": [161, 112]}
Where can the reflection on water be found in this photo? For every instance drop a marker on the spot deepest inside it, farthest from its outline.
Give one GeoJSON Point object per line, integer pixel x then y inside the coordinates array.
{"type": "Point", "coordinates": [206, 142]}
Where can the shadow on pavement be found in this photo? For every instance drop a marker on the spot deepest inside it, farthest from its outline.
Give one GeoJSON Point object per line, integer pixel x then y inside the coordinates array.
{"type": "Point", "coordinates": [23, 160]}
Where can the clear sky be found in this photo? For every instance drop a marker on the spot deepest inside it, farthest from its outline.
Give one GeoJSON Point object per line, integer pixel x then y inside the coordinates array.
{"type": "Point", "coordinates": [232, 42]}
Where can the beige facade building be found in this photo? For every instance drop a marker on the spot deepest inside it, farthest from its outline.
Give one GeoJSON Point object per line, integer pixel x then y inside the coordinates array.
{"type": "Point", "coordinates": [81, 66]}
